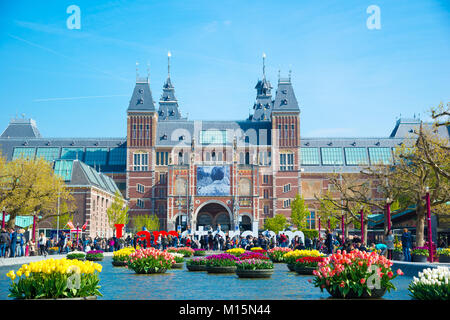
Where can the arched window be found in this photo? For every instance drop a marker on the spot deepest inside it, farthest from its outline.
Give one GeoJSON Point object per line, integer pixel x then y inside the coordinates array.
{"type": "Point", "coordinates": [241, 158]}
{"type": "Point", "coordinates": [247, 158]}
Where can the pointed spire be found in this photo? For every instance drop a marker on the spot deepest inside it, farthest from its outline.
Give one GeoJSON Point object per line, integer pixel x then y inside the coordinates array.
{"type": "Point", "coordinates": [264, 65]}
{"type": "Point", "coordinates": [137, 70]}
{"type": "Point", "coordinates": [168, 64]}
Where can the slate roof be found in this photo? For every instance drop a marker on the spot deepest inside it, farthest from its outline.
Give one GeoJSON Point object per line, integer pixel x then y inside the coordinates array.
{"type": "Point", "coordinates": [142, 99]}
{"type": "Point", "coordinates": [263, 104]}
{"type": "Point", "coordinates": [86, 176]}
{"type": "Point", "coordinates": [285, 100]}
{"type": "Point", "coordinates": [405, 127]}
{"type": "Point", "coordinates": [110, 145]}
{"type": "Point", "coordinates": [168, 104]}
{"type": "Point", "coordinates": [172, 133]}
{"type": "Point", "coordinates": [21, 128]}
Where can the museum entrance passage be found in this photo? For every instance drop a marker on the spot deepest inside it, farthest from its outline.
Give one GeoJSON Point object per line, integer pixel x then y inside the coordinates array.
{"type": "Point", "coordinates": [213, 214]}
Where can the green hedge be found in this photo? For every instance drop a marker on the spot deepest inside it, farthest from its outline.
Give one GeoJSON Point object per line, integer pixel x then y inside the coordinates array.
{"type": "Point", "coordinates": [310, 233]}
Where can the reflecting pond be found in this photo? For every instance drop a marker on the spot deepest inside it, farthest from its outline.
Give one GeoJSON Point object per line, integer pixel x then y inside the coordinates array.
{"type": "Point", "coordinates": [119, 283]}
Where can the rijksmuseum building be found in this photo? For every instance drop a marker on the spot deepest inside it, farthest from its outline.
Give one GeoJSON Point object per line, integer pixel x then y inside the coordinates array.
{"type": "Point", "coordinates": [204, 173]}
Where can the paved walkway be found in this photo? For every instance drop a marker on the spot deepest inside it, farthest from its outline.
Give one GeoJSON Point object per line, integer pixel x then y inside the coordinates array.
{"type": "Point", "coordinates": [411, 269]}
{"type": "Point", "coordinates": [23, 260]}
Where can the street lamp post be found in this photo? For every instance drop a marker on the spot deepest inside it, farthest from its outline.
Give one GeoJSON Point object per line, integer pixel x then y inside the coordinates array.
{"type": "Point", "coordinates": [362, 225]}
{"type": "Point", "coordinates": [388, 214]}
{"type": "Point", "coordinates": [343, 228]}
{"type": "Point", "coordinates": [77, 234]}
{"type": "Point", "coordinates": [4, 217]}
{"type": "Point", "coordinates": [319, 228]}
{"type": "Point", "coordinates": [34, 227]}
{"type": "Point", "coordinates": [430, 238]}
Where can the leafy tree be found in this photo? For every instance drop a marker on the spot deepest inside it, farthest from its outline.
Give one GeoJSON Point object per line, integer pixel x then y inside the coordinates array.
{"type": "Point", "coordinates": [299, 212]}
{"type": "Point", "coordinates": [276, 224]}
{"type": "Point", "coordinates": [117, 211]}
{"type": "Point", "coordinates": [30, 187]}
{"type": "Point", "coordinates": [151, 222]}
{"type": "Point", "coordinates": [412, 173]}
{"type": "Point", "coordinates": [342, 201]}
{"type": "Point", "coordinates": [65, 215]}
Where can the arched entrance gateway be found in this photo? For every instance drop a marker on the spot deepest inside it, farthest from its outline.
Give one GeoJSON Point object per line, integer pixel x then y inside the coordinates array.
{"type": "Point", "coordinates": [211, 214]}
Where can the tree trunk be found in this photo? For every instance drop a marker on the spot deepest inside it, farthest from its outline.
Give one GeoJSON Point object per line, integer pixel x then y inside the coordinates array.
{"type": "Point", "coordinates": [11, 222]}
{"type": "Point", "coordinates": [420, 225]}
{"type": "Point", "coordinates": [366, 230]}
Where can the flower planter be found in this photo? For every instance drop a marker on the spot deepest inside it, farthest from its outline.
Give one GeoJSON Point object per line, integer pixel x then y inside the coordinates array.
{"type": "Point", "coordinates": [258, 273]}
{"type": "Point", "coordinates": [94, 258]}
{"type": "Point", "coordinates": [398, 256]}
{"type": "Point", "coordinates": [221, 269]}
{"type": "Point", "coordinates": [119, 263]}
{"type": "Point", "coordinates": [81, 259]}
{"type": "Point", "coordinates": [291, 266]}
{"type": "Point", "coordinates": [375, 294]}
{"type": "Point", "coordinates": [199, 253]}
{"type": "Point", "coordinates": [178, 265]}
{"type": "Point", "coordinates": [444, 258]}
{"type": "Point", "coordinates": [418, 258]}
{"type": "Point", "coordinates": [153, 271]}
{"type": "Point", "coordinates": [196, 267]}
{"type": "Point", "coordinates": [304, 270]}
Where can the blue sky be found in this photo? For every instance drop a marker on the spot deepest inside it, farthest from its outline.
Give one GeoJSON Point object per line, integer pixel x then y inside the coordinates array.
{"type": "Point", "coordinates": [349, 80]}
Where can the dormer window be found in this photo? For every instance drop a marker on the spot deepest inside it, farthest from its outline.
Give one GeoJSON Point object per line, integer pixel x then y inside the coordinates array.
{"type": "Point", "coordinates": [284, 101]}
{"type": "Point", "coordinates": [141, 101]}
{"type": "Point", "coordinates": [164, 137]}
{"type": "Point", "coordinates": [172, 113]}
{"type": "Point", "coordinates": [141, 90]}
{"type": "Point", "coordinates": [181, 138]}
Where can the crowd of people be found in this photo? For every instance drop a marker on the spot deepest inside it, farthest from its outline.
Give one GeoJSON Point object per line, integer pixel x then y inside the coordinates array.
{"type": "Point", "coordinates": [13, 243]}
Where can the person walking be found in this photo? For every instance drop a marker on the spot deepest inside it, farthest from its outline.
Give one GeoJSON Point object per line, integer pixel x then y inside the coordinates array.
{"type": "Point", "coordinates": [5, 241]}
{"type": "Point", "coordinates": [20, 242]}
{"type": "Point", "coordinates": [406, 244]}
{"type": "Point", "coordinates": [13, 246]}
{"type": "Point", "coordinates": [31, 248]}
{"type": "Point", "coordinates": [42, 244]}
{"type": "Point", "coordinates": [389, 241]}
{"type": "Point", "coordinates": [329, 241]}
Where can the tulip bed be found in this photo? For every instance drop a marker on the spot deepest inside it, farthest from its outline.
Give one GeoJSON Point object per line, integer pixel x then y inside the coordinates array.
{"type": "Point", "coordinates": [277, 254]}
{"type": "Point", "coordinates": [254, 264]}
{"type": "Point", "coordinates": [185, 251]}
{"type": "Point", "coordinates": [354, 274]}
{"type": "Point", "coordinates": [55, 279]}
{"type": "Point", "coordinates": [150, 260]}
{"type": "Point", "coordinates": [432, 284]}
{"type": "Point", "coordinates": [122, 254]}
{"type": "Point", "coordinates": [221, 260]}
{"type": "Point", "coordinates": [291, 256]}
{"type": "Point", "coordinates": [236, 251]}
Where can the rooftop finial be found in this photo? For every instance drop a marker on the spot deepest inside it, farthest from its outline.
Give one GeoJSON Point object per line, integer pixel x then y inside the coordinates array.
{"type": "Point", "coordinates": [168, 63]}
{"type": "Point", "coordinates": [279, 75]}
{"type": "Point", "coordinates": [137, 70]}
{"type": "Point", "coordinates": [264, 65]}
{"type": "Point", "coordinates": [290, 72]}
